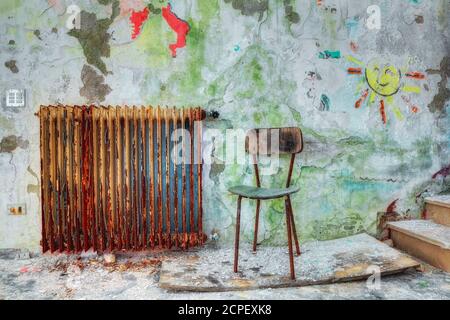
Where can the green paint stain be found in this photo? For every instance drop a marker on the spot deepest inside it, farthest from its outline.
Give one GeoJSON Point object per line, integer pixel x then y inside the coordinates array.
{"type": "Point", "coordinates": [6, 6]}
{"type": "Point", "coordinates": [255, 71]}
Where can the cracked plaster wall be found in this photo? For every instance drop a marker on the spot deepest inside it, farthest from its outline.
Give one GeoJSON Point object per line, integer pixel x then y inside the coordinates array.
{"type": "Point", "coordinates": [260, 63]}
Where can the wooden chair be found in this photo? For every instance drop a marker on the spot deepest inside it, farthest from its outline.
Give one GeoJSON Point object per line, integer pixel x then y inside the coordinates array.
{"type": "Point", "coordinates": [259, 142]}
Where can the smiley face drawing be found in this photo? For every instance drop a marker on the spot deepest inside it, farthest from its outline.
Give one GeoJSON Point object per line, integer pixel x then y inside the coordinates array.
{"type": "Point", "coordinates": [384, 81]}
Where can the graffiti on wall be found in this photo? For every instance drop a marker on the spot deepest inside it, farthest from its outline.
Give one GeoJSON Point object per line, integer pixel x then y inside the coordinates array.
{"type": "Point", "coordinates": [380, 81]}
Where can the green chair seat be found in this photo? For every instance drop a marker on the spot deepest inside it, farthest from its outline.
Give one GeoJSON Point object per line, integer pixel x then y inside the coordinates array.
{"type": "Point", "coordinates": [252, 192]}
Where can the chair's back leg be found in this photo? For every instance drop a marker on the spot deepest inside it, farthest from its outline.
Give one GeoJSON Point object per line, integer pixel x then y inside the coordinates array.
{"type": "Point", "coordinates": [255, 237]}
{"type": "Point", "coordinates": [289, 235]}
{"type": "Point", "coordinates": [238, 229]}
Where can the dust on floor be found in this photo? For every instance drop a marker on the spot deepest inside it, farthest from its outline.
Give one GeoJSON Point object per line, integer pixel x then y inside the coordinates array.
{"type": "Point", "coordinates": [321, 262]}
{"type": "Point", "coordinates": [136, 276]}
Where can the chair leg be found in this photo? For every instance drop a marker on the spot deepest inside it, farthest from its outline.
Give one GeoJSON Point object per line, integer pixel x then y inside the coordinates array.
{"type": "Point", "coordinates": [289, 234]}
{"type": "Point", "coordinates": [294, 229]}
{"type": "Point", "coordinates": [238, 227]}
{"type": "Point", "coordinates": [255, 237]}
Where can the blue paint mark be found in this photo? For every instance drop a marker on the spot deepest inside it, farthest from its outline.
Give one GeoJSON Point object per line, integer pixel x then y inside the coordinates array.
{"type": "Point", "coordinates": [325, 103]}
{"type": "Point", "coordinates": [330, 54]}
{"type": "Point", "coordinates": [351, 24]}
{"type": "Point", "coordinates": [237, 48]}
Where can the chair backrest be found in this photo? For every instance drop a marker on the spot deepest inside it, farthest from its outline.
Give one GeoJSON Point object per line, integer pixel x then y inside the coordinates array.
{"type": "Point", "coordinates": [267, 141]}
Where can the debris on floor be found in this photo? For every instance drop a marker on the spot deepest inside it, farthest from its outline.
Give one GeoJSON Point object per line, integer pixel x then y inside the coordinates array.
{"type": "Point", "coordinates": [321, 262]}
{"type": "Point", "coordinates": [137, 275]}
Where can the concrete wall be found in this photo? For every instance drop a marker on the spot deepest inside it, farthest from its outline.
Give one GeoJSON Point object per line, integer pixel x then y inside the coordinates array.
{"type": "Point", "coordinates": [260, 63]}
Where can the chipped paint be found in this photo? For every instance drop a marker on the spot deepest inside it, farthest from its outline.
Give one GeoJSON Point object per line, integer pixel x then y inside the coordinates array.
{"type": "Point", "coordinates": [257, 63]}
{"type": "Point", "coordinates": [9, 144]}
{"type": "Point", "coordinates": [12, 66]}
{"type": "Point", "coordinates": [94, 89]}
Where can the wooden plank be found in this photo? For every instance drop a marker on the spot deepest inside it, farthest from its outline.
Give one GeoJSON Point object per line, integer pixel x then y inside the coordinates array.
{"type": "Point", "coordinates": [429, 252]}
{"type": "Point", "coordinates": [442, 200]}
{"type": "Point", "coordinates": [340, 260]}
{"type": "Point", "coordinates": [425, 230]}
{"type": "Point", "coordinates": [259, 141]}
{"type": "Point", "coordinates": [438, 213]}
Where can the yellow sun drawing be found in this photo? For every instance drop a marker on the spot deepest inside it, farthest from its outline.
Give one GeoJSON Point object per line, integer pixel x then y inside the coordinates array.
{"type": "Point", "coordinates": [380, 82]}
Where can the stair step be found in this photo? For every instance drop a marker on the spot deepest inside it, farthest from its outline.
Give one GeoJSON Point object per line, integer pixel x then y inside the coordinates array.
{"type": "Point", "coordinates": [442, 200]}
{"type": "Point", "coordinates": [437, 208]}
{"type": "Point", "coordinates": [423, 239]}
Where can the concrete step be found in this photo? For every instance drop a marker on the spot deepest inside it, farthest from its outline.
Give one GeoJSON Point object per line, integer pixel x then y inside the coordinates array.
{"type": "Point", "coordinates": [423, 239]}
{"type": "Point", "coordinates": [437, 208]}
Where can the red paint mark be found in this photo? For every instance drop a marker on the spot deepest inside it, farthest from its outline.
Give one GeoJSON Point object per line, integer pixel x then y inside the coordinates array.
{"type": "Point", "coordinates": [391, 208]}
{"type": "Point", "coordinates": [413, 108]}
{"type": "Point", "coordinates": [362, 99]}
{"type": "Point", "coordinates": [354, 70]}
{"type": "Point", "coordinates": [444, 172]}
{"type": "Point", "coordinates": [354, 46]}
{"type": "Point", "coordinates": [137, 19]}
{"type": "Point", "coordinates": [424, 214]}
{"type": "Point", "coordinates": [178, 25]}
{"type": "Point", "coordinates": [415, 75]}
{"type": "Point", "coordinates": [382, 111]}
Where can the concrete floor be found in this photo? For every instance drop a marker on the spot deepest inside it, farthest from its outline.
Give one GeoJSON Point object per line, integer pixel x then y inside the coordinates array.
{"type": "Point", "coordinates": [135, 276]}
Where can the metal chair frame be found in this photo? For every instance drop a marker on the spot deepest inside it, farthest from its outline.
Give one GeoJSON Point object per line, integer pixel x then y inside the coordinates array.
{"type": "Point", "coordinates": [290, 222]}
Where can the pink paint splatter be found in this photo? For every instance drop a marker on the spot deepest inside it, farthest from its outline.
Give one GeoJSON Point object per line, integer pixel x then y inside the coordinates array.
{"type": "Point", "coordinates": [178, 25]}
{"type": "Point", "coordinates": [137, 19]}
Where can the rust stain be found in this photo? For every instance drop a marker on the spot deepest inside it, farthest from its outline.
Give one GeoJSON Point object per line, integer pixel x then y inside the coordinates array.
{"type": "Point", "coordinates": [355, 270]}
{"type": "Point", "coordinates": [102, 172]}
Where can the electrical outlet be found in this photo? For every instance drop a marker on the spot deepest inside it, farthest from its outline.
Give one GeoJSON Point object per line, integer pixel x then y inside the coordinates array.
{"type": "Point", "coordinates": [17, 209]}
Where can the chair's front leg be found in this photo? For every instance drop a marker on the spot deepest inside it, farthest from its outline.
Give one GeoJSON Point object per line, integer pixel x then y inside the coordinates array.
{"type": "Point", "coordinates": [255, 237]}
{"type": "Point", "coordinates": [238, 227]}
{"type": "Point", "coordinates": [294, 230]}
{"type": "Point", "coordinates": [289, 234]}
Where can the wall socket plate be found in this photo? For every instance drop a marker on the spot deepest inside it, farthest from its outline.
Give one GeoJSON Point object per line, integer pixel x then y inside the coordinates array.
{"type": "Point", "coordinates": [17, 209]}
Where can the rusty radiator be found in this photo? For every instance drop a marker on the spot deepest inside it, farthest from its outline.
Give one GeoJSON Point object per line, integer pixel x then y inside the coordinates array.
{"type": "Point", "coordinates": [110, 182]}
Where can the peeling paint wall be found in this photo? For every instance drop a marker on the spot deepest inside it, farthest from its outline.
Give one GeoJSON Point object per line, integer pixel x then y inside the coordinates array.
{"type": "Point", "coordinates": [373, 103]}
